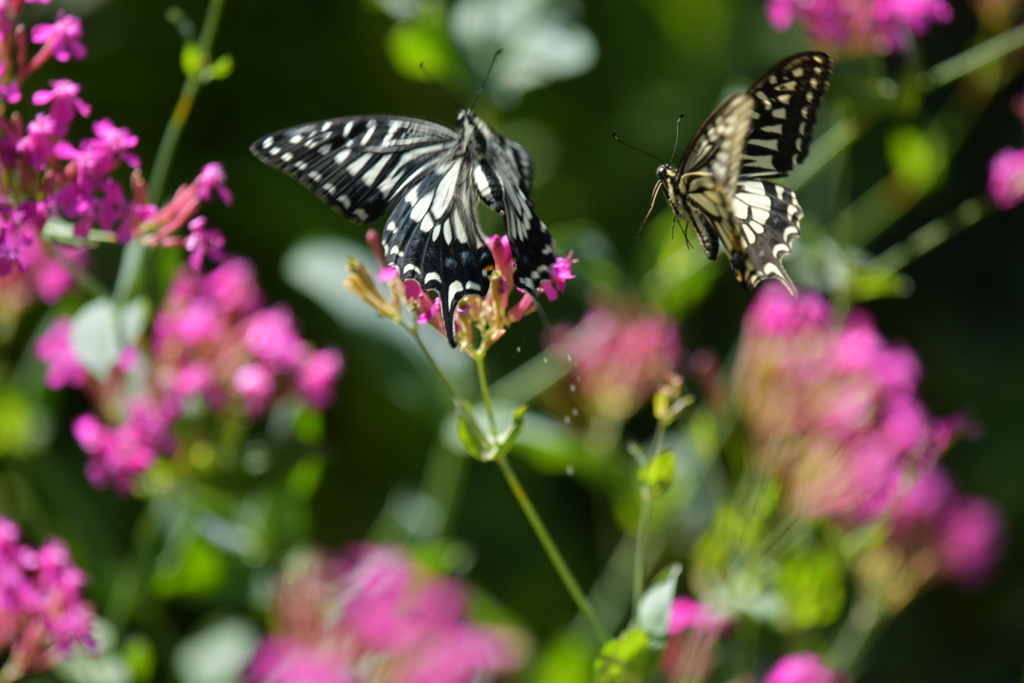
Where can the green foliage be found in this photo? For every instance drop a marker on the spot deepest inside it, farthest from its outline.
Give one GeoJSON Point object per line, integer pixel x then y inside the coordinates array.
{"type": "Point", "coordinates": [814, 586]}
{"type": "Point", "coordinates": [659, 473]}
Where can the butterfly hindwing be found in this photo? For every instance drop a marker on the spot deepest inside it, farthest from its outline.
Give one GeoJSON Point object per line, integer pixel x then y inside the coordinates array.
{"type": "Point", "coordinates": [787, 100]}
{"type": "Point", "coordinates": [768, 220]}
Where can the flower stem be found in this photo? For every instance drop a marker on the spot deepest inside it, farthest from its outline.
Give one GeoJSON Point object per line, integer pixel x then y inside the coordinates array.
{"type": "Point", "coordinates": [452, 391]}
{"type": "Point", "coordinates": [934, 232]}
{"type": "Point", "coordinates": [134, 255]}
{"type": "Point", "coordinates": [854, 634]}
{"type": "Point", "coordinates": [643, 526]}
{"type": "Point", "coordinates": [485, 392]}
{"type": "Point", "coordinates": [564, 573]}
{"type": "Point", "coordinates": [973, 58]}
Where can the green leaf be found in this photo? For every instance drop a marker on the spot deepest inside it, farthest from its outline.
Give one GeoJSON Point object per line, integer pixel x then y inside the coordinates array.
{"type": "Point", "coordinates": [659, 473]}
{"type": "Point", "coordinates": [814, 585]}
{"type": "Point", "coordinates": [305, 476]}
{"type": "Point", "coordinates": [221, 68]}
{"type": "Point", "coordinates": [629, 658]}
{"type": "Point", "coordinates": [94, 338]}
{"type": "Point", "coordinates": [469, 440]}
{"type": "Point", "coordinates": [192, 59]}
{"type": "Point", "coordinates": [655, 606]}
{"type": "Point", "coordinates": [196, 569]}
{"type": "Point", "coordinates": [918, 158]}
{"type": "Point", "coordinates": [216, 653]}
{"type": "Point", "coordinates": [140, 655]}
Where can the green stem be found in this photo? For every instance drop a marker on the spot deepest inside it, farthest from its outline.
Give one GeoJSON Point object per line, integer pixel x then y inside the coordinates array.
{"type": "Point", "coordinates": [134, 255]}
{"type": "Point", "coordinates": [643, 526]}
{"type": "Point", "coordinates": [452, 391]}
{"type": "Point", "coordinates": [934, 233]}
{"type": "Point", "coordinates": [827, 147]}
{"type": "Point", "coordinates": [485, 392]}
{"type": "Point", "coordinates": [974, 58]}
{"type": "Point", "coordinates": [854, 634]}
{"type": "Point", "coordinates": [564, 573]}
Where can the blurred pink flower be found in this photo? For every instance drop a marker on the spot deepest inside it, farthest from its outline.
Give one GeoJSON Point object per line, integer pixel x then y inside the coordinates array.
{"type": "Point", "coordinates": [966, 533]}
{"type": "Point", "coordinates": [42, 612]}
{"type": "Point", "coordinates": [318, 375]}
{"type": "Point", "coordinates": [694, 630]}
{"type": "Point", "coordinates": [801, 667]}
{"type": "Point", "coordinates": [1006, 178]}
{"type": "Point", "coordinates": [374, 615]}
{"type": "Point", "coordinates": [62, 38]}
{"type": "Point", "coordinates": [620, 355]}
{"type": "Point", "coordinates": [879, 26]}
{"type": "Point", "coordinates": [53, 348]}
{"type": "Point", "coordinates": [832, 410]}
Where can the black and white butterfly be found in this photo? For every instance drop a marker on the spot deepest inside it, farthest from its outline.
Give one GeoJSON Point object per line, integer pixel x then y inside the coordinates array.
{"type": "Point", "coordinates": [432, 175]}
{"type": "Point", "coordinates": [762, 133]}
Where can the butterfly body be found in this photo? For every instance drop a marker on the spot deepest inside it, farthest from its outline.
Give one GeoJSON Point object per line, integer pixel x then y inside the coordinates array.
{"type": "Point", "coordinates": [432, 176]}
{"type": "Point", "coordinates": [718, 187]}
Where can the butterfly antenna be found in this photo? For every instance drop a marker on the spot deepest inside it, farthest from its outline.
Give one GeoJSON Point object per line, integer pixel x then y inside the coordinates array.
{"type": "Point", "coordinates": [430, 77]}
{"type": "Point", "coordinates": [676, 143]}
{"type": "Point", "coordinates": [486, 76]}
{"type": "Point", "coordinates": [615, 136]}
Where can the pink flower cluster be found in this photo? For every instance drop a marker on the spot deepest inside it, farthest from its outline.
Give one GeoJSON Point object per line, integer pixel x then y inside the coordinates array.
{"type": "Point", "coordinates": [966, 534]}
{"type": "Point", "coordinates": [44, 176]}
{"type": "Point", "coordinates": [694, 630]}
{"type": "Point", "coordinates": [1006, 178]}
{"type": "Point", "coordinates": [879, 26]}
{"type": "Point", "coordinates": [212, 341]}
{"type": "Point", "coordinates": [373, 615]}
{"type": "Point", "coordinates": [801, 667]}
{"type": "Point", "coordinates": [490, 314]}
{"type": "Point", "coordinates": [42, 612]}
{"type": "Point", "coordinates": [620, 355]}
{"type": "Point", "coordinates": [832, 410]}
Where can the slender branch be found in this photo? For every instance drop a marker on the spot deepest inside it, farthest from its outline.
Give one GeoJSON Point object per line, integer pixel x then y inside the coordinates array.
{"type": "Point", "coordinates": [485, 392]}
{"type": "Point", "coordinates": [553, 553]}
{"type": "Point", "coordinates": [133, 256]}
{"type": "Point", "coordinates": [973, 58]}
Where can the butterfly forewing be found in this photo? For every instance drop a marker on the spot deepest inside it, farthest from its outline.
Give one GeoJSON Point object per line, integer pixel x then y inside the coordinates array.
{"type": "Point", "coordinates": [787, 100]}
{"type": "Point", "coordinates": [432, 175]}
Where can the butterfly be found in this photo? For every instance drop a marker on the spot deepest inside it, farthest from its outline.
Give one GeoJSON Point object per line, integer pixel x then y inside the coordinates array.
{"type": "Point", "coordinates": [432, 175]}
{"type": "Point", "coordinates": [718, 188]}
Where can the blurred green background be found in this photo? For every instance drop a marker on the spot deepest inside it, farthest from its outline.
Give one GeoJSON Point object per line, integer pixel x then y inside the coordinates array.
{"type": "Point", "coordinates": [312, 59]}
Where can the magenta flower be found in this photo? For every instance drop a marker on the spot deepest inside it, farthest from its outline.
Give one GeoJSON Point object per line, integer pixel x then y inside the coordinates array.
{"type": "Point", "coordinates": [694, 630]}
{"type": "Point", "coordinates": [212, 179]}
{"type": "Point", "coordinates": [54, 349]}
{"type": "Point", "coordinates": [62, 38]}
{"type": "Point", "coordinates": [271, 336]}
{"type": "Point", "coordinates": [561, 272]}
{"type": "Point", "coordinates": [318, 375]}
{"type": "Point", "coordinates": [965, 533]}
{"type": "Point", "coordinates": [42, 612]}
{"type": "Point", "coordinates": [117, 455]}
{"type": "Point", "coordinates": [116, 140]}
{"type": "Point", "coordinates": [879, 26]}
{"type": "Point", "coordinates": [621, 356]}
{"type": "Point", "coordinates": [232, 287]}
{"type": "Point", "coordinates": [1006, 178]}
{"type": "Point", "coordinates": [832, 411]}
{"type": "Point", "coordinates": [373, 614]}
{"type": "Point", "coordinates": [203, 243]}
{"type": "Point", "coordinates": [256, 385]}
{"type": "Point", "coordinates": [801, 667]}
{"type": "Point", "coordinates": [10, 92]}
{"type": "Point", "coordinates": [63, 100]}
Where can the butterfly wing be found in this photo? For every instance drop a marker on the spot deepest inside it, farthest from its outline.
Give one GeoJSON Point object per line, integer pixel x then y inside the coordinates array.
{"type": "Point", "coordinates": [359, 165]}
{"type": "Point", "coordinates": [503, 177]}
{"type": "Point", "coordinates": [787, 99]}
{"type": "Point", "coordinates": [709, 173]}
{"type": "Point", "coordinates": [768, 217]}
{"type": "Point", "coordinates": [433, 237]}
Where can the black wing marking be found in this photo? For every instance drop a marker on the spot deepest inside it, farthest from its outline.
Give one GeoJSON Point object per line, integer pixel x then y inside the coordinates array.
{"type": "Point", "coordinates": [768, 216]}
{"type": "Point", "coordinates": [433, 237]}
{"type": "Point", "coordinates": [788, 97]}
{"type": "Point", "coordinates": [360, 165]}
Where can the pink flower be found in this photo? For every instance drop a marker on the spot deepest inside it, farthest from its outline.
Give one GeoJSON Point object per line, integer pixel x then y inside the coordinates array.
{"type": "Point", "coordinates": [318, 375]}
{"type": "Point", "coordinates": [561, 272]}
{"type": "Point", "coordinates": [972, 540]}
{"type": "Point", "coordinates": [801, 667]}
{"type": "Point", "coordinates": [832, 411]}
{"type": "Point", "coordinates": [232, 286]}
{"type": "Point", "coordinates": [63, 100]}
{"type": "Point", "coordinates": [879, 26]}
{"type": "Point", "coordinates": [271, 336]}
{"type": "Point", "coordinates": [621, 356]}
{"type": "Point", "coordinates": [212, 179]}
{"type": "Point", "coordinates": [373, 614]}
{"type": "Point", "coordinates": [117, 141]}
{"type": "Point", "coordinates": [1006, 178]}
{"type": "Point", "coordinates": [117, 455]}
{"type": "Point", "coordinates": [42, 612]}
{"type": "Point", "coordinates": [54, 349]}
{"type": "Point", "coordinates": [203, 243]}
{"type": "Point", "coordinates": [63, 37]}
{"type": "Point", "coordinates": [256, 385]}
{"type": "Point", "coordinates": [694, 630]}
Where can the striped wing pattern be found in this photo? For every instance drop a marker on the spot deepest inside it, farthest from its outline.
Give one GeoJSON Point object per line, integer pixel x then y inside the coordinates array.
{"type": "Point", "coordinates": [718, 185]}
{"type": "Point", "coordinates": [432, 175]}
